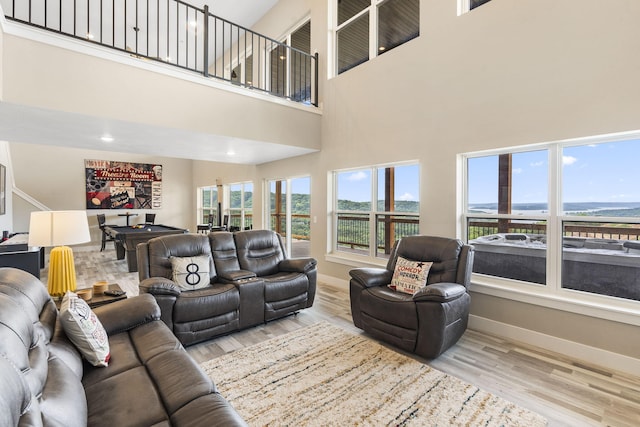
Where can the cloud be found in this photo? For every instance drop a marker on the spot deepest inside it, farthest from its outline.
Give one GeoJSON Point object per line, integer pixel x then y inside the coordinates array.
{"type": "Point", "coordinates": [568, 160]}
{"type": "Point", "coordinates": [536, 164]}
{"type": "Point", "coordinates": [406, 197]}
{"type": "Point", "coordinates": [517, 170]}
{"type": "Point", "coordinates": [358, 176]}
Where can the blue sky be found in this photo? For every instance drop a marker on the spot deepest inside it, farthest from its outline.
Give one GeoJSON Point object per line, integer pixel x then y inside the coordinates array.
{"type": "Point", "coordinates": [591, 173]}
{"type": "Point", "coordinates": [356, 185]}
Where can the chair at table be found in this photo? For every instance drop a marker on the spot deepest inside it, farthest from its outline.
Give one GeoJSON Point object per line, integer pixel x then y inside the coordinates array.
{"type": "Point", "coordinates": [433, 319]}
{"type": "Point", "coordinates": [105, 236]}
{"type": "Point", "coordinates": [149, 218]}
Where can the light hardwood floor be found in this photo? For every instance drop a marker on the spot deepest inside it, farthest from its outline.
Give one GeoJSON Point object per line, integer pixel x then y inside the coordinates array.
{"type": "Point", "coordinates": [566, 392]}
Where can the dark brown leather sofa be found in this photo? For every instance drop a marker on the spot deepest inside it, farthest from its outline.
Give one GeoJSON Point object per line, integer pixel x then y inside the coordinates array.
{"type": "Point", "coordinates": [433, 319]}
{"type": "Point", "coordinates": [251, 281]}
{"type": "Point", "coordinates": [150, 380]}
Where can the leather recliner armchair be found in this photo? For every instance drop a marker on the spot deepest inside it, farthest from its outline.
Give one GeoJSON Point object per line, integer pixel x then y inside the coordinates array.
{"type": "Point", "coordinates": [428, 322]}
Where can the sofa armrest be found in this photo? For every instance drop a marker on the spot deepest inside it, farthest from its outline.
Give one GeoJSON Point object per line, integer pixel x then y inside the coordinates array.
{"type": "Point", "coordinates": [440, 292]}
{"type": "Point", "coordinates": [159, 286]}
{"type": "Point", "coordinates": [235, 275]}
{"type": "Point", "coordinates": [127, 314]}
{"type": "Point", "coordinates": [369, 277]}
{"type": "Point", "coordinates": [298, 265]}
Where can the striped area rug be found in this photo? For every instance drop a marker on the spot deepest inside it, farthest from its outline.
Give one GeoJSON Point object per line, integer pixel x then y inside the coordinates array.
{"type": "Point", "coordinates": [324, 376]}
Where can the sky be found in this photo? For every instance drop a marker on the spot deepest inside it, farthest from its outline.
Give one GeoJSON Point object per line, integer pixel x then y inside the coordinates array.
{"type": "Point", "coordinates": [606, 172]}
{"type": "Point", "coordinates": [356, 185]}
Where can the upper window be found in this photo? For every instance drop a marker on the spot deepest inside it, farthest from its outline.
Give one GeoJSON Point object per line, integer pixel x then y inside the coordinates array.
{"type": "Point", "coordinates": [566, 217]}
{"type": "Point", "coordinates": [465, 6]}
{"type": "Point", "coordinates": [374, 207]}
{"type": "Point", "coordinates": [367, 28]}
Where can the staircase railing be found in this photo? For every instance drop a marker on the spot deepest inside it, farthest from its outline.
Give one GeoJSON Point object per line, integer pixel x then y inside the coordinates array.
{"type": "Point", "coordinates": [177, 33]}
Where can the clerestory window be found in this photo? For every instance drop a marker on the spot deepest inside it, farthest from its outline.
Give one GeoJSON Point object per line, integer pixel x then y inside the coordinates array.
{"type": "Point", "coordinates": [365, 29]}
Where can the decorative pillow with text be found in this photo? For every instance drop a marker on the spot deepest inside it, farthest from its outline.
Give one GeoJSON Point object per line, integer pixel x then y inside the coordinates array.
{"type": "Point", "coordinates": [410, 276]}
{"type": "Point", "coordinates": [84, 329]}
{"type": "Point", "coordinates": [191, 273]}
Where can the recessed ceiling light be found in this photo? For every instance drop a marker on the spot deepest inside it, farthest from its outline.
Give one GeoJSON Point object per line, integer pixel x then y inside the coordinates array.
{"type": "Point", "coordinates": [89, 36]}
{"type": "Point", "coordinates": [381, 48]}
{"type": "Point", "coordinates": [231, 153]}
{"type": "Point", "coordinates": [193, 24]}
{"type": "Point", "coordinates": [106, 138]}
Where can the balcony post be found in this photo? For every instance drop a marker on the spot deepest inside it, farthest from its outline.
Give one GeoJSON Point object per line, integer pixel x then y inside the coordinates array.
{"type": "Point", "coordinates": [315, 101]}
{"type": "Point", "coordinates": [205, 70]}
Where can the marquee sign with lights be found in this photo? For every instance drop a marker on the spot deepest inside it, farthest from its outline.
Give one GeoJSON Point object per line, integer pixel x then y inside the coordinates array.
{"type": "Point", "coordinates": [123, 185]}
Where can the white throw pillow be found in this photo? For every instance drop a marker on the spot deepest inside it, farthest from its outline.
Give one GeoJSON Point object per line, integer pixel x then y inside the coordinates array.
{"type": "Point", "coordinates": [410, 276]}
{"type": "Point", "coordinates": [84, 329]}
{"type": "Point", "coordinates": [191, 273]}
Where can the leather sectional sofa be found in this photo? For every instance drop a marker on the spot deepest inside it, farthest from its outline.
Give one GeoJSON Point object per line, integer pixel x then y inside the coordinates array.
{"type": "Point", "coordinates": [150, 379]}
{"type": "Point", "coordinates": [251, 280]}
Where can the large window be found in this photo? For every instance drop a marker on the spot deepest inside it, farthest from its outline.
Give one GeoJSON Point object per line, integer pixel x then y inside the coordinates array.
{"type": "Point", "coordinates": [291, 70]}
{"type": "Point", "coordinates": [374, 207]}
{"type": "Point", "coordinates": [564, 217]}
{"type": "Point", "coordinates": [240, 206]}
{"type": "Point", "coordinates": [365, 29]}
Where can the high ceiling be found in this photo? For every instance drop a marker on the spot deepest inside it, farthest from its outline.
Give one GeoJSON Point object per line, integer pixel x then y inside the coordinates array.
{"type": "Point", "coordinates": [30, 125]}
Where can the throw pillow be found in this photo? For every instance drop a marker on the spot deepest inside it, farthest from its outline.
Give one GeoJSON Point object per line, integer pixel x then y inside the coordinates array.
{"type": "Point", "coordinates": [191, 273]}
{"type": "Point", "coordinates": [84, 329]}
{"type": "Point", "coordinates": [410, 276]}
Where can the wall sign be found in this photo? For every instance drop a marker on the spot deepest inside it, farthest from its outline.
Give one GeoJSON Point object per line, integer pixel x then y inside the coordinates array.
{"type": "Point", "coordinates": [123, 185]}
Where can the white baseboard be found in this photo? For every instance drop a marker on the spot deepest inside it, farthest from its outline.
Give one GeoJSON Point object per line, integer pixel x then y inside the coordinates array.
{"type": "Point", "coordinates": [582, 352]}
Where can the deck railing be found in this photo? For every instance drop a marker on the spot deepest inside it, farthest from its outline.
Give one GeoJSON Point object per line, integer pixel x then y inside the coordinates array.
{"type": "Point", "coordinates": [478, 228]}
{"type": "Point", "coordinates": [177, 33]}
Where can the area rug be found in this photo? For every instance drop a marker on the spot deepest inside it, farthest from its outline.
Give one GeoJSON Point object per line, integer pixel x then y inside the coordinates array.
{"type": "Point", "coordinates": [322, 375]}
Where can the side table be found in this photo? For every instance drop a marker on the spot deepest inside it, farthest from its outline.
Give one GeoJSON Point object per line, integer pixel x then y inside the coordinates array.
{"type": "Point", "coordinates": [102, 299]}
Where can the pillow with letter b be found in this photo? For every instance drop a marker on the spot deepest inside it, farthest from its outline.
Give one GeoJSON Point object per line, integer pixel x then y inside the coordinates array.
{"type": "Point", "coordinates": [410, 276]}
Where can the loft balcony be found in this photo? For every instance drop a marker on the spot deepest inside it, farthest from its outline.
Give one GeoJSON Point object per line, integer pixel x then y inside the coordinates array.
{"type": "Point", "coordinates": [165, 73]}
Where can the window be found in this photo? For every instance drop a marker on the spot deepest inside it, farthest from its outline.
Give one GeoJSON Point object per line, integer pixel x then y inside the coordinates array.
{"type": "Point", "coordinates": [240, 206]}
{"type": "Point", "coordinates": [465, 6]}
{"type": "Point", "coordinates": [564, 218]}
{"type": "Point", "coordinates": [365, 29]}
{"type": "Point", "coordinates": [208, 205]}
{"type": "Point", "coordinates": [374, 207]}
{"type": "Point", "coordinates": [291, 69]}
{"type": "Point", "coordinates": [290, 213]}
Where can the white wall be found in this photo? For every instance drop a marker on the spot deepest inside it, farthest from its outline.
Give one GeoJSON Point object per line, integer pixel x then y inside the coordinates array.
{"type": "Point", "coordinates": [507, 74]}
{"type": "Point", "coordinates": [55, 177]}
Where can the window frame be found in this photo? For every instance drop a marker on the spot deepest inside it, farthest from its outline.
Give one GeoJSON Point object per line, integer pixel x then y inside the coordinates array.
{"type": "Point", "coordinates": [372, 11]}
{"type": "Point", "coordinates": [552, 294]}
{"type": "Point", "coordinates": [242, 210]}
{"type": "Point", "coordinates": [371, 258]}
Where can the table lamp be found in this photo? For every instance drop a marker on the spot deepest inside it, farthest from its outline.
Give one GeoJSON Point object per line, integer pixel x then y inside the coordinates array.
{"type": "Point", "coordinates": [59, 229]}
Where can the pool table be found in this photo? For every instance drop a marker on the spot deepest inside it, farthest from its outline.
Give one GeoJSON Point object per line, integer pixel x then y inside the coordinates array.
{"type": "Point", "coordinates": [127, 238]}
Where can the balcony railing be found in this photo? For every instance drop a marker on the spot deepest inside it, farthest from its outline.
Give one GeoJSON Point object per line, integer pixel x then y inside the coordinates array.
{"type": "Point", "coordinates": [176, 33]}
{"type": "Point", "coordinates": [478, 228]}
{"type": "Point", "coordinates": [354, 234]}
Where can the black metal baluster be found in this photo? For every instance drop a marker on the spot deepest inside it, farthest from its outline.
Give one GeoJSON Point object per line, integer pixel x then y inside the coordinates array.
{"type": "Point", "coordinates": [205, 58]}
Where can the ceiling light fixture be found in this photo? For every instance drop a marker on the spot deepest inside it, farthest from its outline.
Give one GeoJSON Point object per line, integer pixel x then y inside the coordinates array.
{"type": "Point", "coordinates": [106, 138]}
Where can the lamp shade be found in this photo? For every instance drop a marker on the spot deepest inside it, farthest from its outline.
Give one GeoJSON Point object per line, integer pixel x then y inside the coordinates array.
{"type": "Point", "coordinates": [58, 228]}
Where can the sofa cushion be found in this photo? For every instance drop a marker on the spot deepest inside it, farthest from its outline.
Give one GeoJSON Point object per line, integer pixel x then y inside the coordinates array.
{"type": "Point", "coordinates": [206, 303]}
{"type": "Point", "coordinates": [84, 329]}
{"type": "Point", "coordinates": [190, 273]}
{"type": "Point", "coordinates": [409, 276]}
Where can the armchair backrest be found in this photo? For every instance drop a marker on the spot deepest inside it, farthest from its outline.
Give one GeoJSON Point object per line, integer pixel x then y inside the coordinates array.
{"type": "Point", "coordinates": [452, 259]}
{"type": "Point", "coordinates": [154, 256]}
{"type": "Point", "coordinates": [260, 251]}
